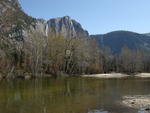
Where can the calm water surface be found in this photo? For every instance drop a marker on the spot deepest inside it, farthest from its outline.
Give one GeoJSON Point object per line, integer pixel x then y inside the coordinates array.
{"type": "Point", "coordinates": [69, 95]}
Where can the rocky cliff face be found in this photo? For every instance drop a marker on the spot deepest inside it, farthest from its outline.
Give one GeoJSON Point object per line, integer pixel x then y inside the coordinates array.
{"type": "Point", "coordinates": [67, 27]}
{"type": "Point", "coordinates": [15, 2]}
{"type": "Point", "coordinates": [13, 18]}
{"type": "Point", "coordinates": [15, 24]}
{"type": "Point", "coordinates": [64, 26]}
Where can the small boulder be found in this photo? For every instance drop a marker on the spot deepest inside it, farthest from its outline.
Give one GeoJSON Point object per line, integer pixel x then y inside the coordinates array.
{"type": "Point", "coordinates": [147, 109]}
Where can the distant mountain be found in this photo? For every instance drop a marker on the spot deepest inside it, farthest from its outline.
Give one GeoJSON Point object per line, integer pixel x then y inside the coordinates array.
{"type": "Point", "coordinates": [148, 34]}
{"type": "Point", "coordinates": [119, 39]}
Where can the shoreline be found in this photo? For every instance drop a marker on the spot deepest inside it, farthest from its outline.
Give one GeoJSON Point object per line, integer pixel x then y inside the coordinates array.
{"type": "Point", "coordinates": [101, 76]}
{"type": "Point", "coordinates": [117, 75]}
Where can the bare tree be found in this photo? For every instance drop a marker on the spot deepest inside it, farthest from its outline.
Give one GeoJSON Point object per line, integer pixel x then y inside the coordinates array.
{"type": "Point", "coordinates": [35, 46]}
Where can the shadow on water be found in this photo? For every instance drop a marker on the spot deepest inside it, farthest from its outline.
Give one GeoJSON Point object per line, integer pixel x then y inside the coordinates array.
{"type": "Point", "coordinates": [69, 95]}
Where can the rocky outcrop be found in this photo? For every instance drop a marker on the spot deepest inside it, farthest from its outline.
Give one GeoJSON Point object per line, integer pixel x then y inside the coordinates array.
{"type": "Point", "coordinates": [66, 26]}
{"type": "Point", "coordinates": [141, 102]}
{"type": "Point", "coordinates": [15, 2]}
{"type": "Point", "coordinates": [15, 24]}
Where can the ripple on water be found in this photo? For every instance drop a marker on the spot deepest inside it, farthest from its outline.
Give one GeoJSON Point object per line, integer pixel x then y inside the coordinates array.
{"type": "Point", "coordinates": [143, 111]}
{"type": "Point", "coordinates": [101, 111]}
{"type": "Point", "coordinates": [97, 111]}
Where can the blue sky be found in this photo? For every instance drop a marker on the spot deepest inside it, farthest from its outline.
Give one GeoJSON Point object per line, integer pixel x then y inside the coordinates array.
{"type": "Point", "coordinates": [96, 16]}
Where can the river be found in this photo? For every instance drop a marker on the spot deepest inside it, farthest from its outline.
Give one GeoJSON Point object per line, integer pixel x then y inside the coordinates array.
{"type": "Point", "coordinates": [69, 95]}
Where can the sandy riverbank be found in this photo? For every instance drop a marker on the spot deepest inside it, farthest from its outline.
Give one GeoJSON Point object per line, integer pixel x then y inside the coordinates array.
{"type": "Point", "coordinates": [118, 75]}
{"type": "Point", "coordinates": [143, 75]}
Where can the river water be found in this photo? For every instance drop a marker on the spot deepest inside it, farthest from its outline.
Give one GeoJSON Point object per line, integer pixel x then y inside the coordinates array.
{"type": "Point", "coordinates": [69, 95]}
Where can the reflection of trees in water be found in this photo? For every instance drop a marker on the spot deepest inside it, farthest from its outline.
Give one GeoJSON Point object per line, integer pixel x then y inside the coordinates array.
{"type": "Point", "coordinates": [67, 86]}
{"type": "Point", "coordinates": [67, 95]}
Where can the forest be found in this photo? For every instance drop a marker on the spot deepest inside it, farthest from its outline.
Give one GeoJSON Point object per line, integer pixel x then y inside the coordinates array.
{"type": "Point", "coordinates": [57, 55]}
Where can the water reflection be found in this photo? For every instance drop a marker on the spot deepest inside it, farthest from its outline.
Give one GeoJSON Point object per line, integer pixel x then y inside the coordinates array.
{"type": "Point", "coordinates": [69, 95]}
{"type": "Point", "coordinates": [142, 111]}
{"type": "Point", "coordinates": [98, 111]}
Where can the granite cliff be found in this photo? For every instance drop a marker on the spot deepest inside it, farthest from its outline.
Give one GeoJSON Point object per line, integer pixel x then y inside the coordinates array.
{"type": "Point", "coordinates": [15, 23]}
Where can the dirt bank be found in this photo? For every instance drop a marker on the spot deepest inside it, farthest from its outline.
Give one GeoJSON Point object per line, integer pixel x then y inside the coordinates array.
{"type": "Point", "coordinates": [143, 75]}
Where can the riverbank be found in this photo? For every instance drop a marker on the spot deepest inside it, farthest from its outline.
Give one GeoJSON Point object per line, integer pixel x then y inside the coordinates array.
{"type": "Point", "coordinates": [24, 76]}
{"type": "Point", "coordinates": [141, 102]}
{"type": "Point", "coordinates": [118, 75]}
{"type": "Point", "coordinates": [143, 75]}
{"type": "Point", "coordinates": [107, 75]}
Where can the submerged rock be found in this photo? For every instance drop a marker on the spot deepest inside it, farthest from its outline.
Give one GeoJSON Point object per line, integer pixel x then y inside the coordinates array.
{"type": "Point", "coordinates": [141, 102]}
